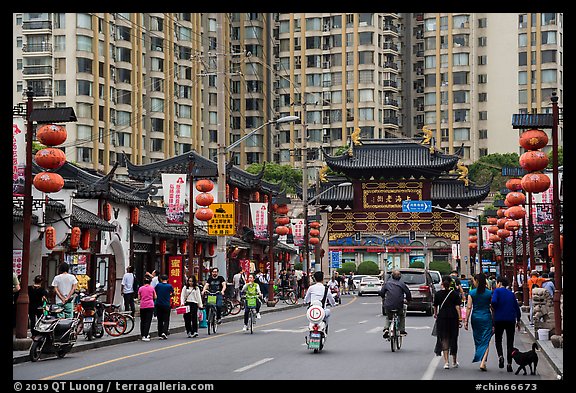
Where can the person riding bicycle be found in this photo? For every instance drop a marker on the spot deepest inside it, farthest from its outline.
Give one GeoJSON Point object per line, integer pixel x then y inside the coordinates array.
{"type": "Point", "coordinates": [392, 294]}
{"type": "Point", "coordinates": [216, 283]}
{"type": "Point", "coordinates": [251, 290]}
{"type": "Point", "coordinates": [322, 293]}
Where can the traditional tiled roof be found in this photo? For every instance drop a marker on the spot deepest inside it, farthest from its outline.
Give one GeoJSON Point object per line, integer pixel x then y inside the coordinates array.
{"type": "Point", "coordinates": [89, 185]}
{"type": "Point", "coordinates": [84, 219]}
{"type": "Point", "coordinates": [445, 191]}
{"type": "Point", "coordinates": [391, 159]}
{"type": "Point", "coordinates": [203, 168]}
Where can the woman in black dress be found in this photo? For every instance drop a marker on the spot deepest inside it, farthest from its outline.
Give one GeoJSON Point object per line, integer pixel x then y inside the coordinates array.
{"type": "Point", "coordinates": [448, 322]}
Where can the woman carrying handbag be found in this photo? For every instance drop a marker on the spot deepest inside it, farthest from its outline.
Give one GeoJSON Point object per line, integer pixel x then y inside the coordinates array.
{"type": "Point", "coordinates": [448, 322]}
{"type": "Point", "coordinates": [192, 298]}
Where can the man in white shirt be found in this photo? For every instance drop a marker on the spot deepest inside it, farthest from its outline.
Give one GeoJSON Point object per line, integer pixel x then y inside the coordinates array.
{"type": "Point", "coordinates": [317, 292]}
{"type": "Point", "coordinates": [127, 290]}
{"type": "Point", "coordinates": [239, 282]}
{"type": "Point", "coordinates": [65, 285]}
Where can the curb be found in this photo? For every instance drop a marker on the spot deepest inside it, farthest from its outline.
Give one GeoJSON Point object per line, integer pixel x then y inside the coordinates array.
{"type": "Point", "coordinates": [98, 343]}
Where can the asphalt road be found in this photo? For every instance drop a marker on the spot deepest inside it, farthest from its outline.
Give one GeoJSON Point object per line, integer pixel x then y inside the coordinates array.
{"type": "Point", "coordinates": [355, 350]}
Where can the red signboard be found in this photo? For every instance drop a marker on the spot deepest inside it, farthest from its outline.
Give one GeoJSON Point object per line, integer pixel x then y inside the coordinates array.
{"type": "Point", "coordinates": [175, 277]}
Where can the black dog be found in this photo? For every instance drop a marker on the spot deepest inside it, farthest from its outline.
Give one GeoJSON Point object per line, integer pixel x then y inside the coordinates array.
{"type": "Point", "coordinates": [524, 359]}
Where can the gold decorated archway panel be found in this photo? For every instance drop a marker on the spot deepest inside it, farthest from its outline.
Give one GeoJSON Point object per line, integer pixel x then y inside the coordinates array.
{"type": "Point", "coordinates": [344, 224]}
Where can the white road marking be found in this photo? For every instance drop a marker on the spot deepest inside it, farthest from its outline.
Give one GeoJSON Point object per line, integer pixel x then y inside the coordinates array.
{"type": "Point", "coordinates": [362, 321]}
{"type": "Point", "coordinates": [339, 330]}
{"type": "Point", "coordinates": [429, 373]}
{"type": "Point", "coordinates": [379, 329]}
{"type": "Point", "coordinates": [286, 330]}
{"type": "Point", "coordinates": [259, 362]}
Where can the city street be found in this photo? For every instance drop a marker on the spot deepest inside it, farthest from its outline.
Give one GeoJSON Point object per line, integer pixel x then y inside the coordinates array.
{"type": "Point", "coordinates": [355, 350]}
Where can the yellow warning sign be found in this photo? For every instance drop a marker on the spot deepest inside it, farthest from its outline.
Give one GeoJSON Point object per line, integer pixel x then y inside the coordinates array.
{"type": "Point", "coordinates": [224, 221]}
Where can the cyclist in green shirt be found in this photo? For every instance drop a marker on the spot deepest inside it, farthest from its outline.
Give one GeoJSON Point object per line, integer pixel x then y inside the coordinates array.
{"type": "Point", "coordinates": [251, 290]}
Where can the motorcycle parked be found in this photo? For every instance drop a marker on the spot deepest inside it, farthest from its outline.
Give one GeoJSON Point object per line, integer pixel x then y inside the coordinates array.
{"type": "Point", "coordinates": [92, 313]}
{"type": "Point", "coordinates": [53, 334]}
{"type": "Point", "coordinates": [317, 327]}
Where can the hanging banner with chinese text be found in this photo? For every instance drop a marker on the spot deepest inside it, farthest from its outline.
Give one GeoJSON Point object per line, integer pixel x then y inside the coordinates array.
{"type": "Point", "coordinates": [18, 155]}
{"type": "Point", "coordinates": [259, 214]}
{"type": "Point", "coordinates": [297, 231]}
{"type": "Point", "coordinates": [174, 186]}
{"type": "Point", "coordinates": [175, 278]}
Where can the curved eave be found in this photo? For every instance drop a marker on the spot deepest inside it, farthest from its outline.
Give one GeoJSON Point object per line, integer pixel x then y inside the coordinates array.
{"type": "Point", "coordinates": [84, 219]}
{"type": "Point", "coordinates": [203, 167]}
{"type": "Point", "coordinates": [453, 192]}
{"type": "Point", "coordinates": [391, 160]}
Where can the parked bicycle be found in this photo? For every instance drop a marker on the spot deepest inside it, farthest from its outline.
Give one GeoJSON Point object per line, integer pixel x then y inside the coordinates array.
{"type": "Point", "coordinates": [115, 308]}
{"type": "Point", "coordinates": [285, 294]}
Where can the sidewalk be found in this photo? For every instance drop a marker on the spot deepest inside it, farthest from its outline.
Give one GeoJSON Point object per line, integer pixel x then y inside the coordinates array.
{"type": "Point", "coordinates": [176, 326]}
{"type": "Point", "coordinates": [554, 355]}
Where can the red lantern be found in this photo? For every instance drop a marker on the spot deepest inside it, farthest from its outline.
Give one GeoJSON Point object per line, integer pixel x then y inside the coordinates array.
{"type": "Point", "coordinates": [533, 139]}
{"type": "Point", "coordinates": [204, 185]}
{"type": "Point", "coordinates": [500, 213]}
{"type": "Point", "coordinates": [514, 184]}
{"type": "Point", "coordinates": [512, 225]}
{"type": "Point", "coordinates": [48, 182]}
{"type": "Point", "coordinates": [204, 214]}
{"type": "Point", "coordinates": [257, 196]}
{"type": "Point", "coordinates": [533, 161]}
{"type": "Point", "coordinates": [494, 239]}
{"type": "Point", "coordinates": [493, 229]}
{"type": "Point", "coordinates": [515, 198]}
{"type": "Point", "coordinates": [503, 233]}
{"type": "Point", "coordinates": [314, 240]}
{"type": "Point", "coordinates": [51, 134]}
{"type": "Point", "coordinates": [183, 246]}
{"type": "Point", "coordinates": [204, 199]}
{"type": "Point", "coordinates": [515, 212]}
{"type": "Point", "coordinates": [235, 195]}
{"type": "Point", "coordinates": [162, 246]}
{"type": "Point", "coordinates": [472, 246]}
{"type": "Point", "coordinates": [198, 248]}
{"type": "Point", "coordinates": [212, 249]}
{"type": "Point", "coordinates": [282, 230]}
{"type": "Point", "coordinates": [472, 239]}
{"type": "Point", "coordinates": [50, 158]}
{"type": "Point", "coordinates": [314, 232]}
{"type": "Point", "coordinates": [535, 182]}
{"type": "Point", "coordinates": [75, 238]}
{"type": "Point", "coordinates": [50, 237]}
{"type": "Point", "coordinates": [282, 209]}
{"type": "Point", "coordinates": [85, 239]}
{"type": "Point", "coordinates": [492, 220]}
{"type": "Point", "coordinates": [315, 224]}
{"type": "Point", "coordinates": [287, 257]}
{"type": "Point", "coordinates": [107, 211]}
{"type": "Point", "coordinates": [135, 216]}
{"type": "Point", "coordinates": [472, 231]}
{"type": "Point", "coordinates": [501, 222]}
{"type": "Point", "coordinates": [283, 220]}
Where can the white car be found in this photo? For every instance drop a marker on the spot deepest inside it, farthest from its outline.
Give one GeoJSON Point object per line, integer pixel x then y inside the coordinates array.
{"type": "Point", "coordinates": [436, 279]}
{"type": "Point", "coordinates": [369, 284]}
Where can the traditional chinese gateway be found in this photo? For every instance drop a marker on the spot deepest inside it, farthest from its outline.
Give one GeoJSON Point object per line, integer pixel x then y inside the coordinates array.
{"type": "Point", "coordinates": [367, 221]}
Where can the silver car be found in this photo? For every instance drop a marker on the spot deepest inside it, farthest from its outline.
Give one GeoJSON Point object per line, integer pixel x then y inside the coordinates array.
{"type": "Point", "coordinates": [369, 284]}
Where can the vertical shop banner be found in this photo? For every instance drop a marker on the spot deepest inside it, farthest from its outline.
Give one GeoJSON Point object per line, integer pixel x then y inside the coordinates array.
{"type": "Point", "coordinates": [17, 261]}
{"type": "Point", "coordinates": [174, 186]}
{"type": "Point", "coordinates": [18, 155]}
{"type": "Point", "coordinates": [298, 231]}
{"type": "Point", "coordinates": [175, 277]}
{"type": "Point", "coordinates": [259, 213]}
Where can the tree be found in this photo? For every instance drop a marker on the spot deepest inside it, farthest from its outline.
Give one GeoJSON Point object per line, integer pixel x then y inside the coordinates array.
{"type": "Point", "coordinates": [346, 268]}
{"type": "Point", "coordinates": [490, 166]}
{"type": "Point", "coordinates": [368, 267]}
{"type": "Point", "coordinates": [442, 266]}
{"type": "Point", "coordinates": [276, 173]}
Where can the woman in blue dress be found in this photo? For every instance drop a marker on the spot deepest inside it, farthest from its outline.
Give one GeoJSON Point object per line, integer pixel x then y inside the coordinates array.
{"type": "Point", "coordinates": [478, 309]}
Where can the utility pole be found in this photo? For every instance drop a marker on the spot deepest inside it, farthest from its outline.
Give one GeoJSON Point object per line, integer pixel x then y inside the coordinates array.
{"type": "Point", "coordinates": [304, 157]}
{"type": "Point", "coordinates": [220, 76]}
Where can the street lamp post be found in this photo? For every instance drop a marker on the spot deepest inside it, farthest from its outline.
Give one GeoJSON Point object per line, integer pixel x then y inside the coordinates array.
{"type": "Point", "coordinates": [306, 202]}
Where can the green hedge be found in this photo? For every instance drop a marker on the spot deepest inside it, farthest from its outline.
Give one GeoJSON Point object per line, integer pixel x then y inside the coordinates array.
{"type": "Point", "coordinates": [368, 267]}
